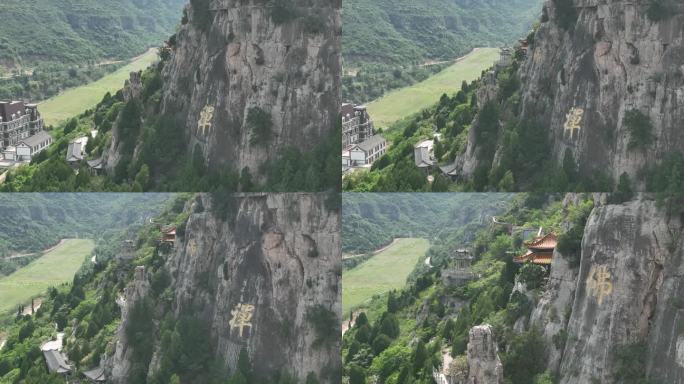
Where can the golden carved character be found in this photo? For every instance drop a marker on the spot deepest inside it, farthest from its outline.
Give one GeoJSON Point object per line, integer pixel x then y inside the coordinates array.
{"type": "Point", "coordinates": [242, 317]}
{"type": "Point", "coordinates": [204, 123]}
{"type": "Point", "coordinates": [599, 284]}
{"type": "Point", "coordinates": [573, 121]}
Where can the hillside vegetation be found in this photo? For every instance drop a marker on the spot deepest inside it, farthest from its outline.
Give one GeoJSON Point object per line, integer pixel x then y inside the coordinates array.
{"type": "Point", "coordinates": [66, 31]}
{"type": "Point", "coordinates": [406, 333]}
{"type": "Point", "coordinates": [410, 100]}
{"type": "Point", "coordinates": [371, 221]}
{"type": "Point", "coordinates": [387, 43]}
{"type": "Point", "coordinates": [47, 46]}
{"type": "Point", "coordinates": [401, 31]}
{"type": "Point", "coordinates": [74, 101]}
{"type": "Point", "coordinates": [87, 312]}
{"type": "Point", "coordinates": [34, 222]}
{"type": "Point", "coordinates": [383, 272]}
{"type": "Point", "coordinates": [52, 269]}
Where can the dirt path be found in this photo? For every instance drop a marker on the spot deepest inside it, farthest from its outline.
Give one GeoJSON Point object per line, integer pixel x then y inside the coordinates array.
{"type": "Point", "coordinates": [34, 253]}
{"type": "Point", "coordinates": [374, 252]}
{"type": "Point", "coordinates": [347, 324]}
{"type": "Point", "coordinates": [37, 302]}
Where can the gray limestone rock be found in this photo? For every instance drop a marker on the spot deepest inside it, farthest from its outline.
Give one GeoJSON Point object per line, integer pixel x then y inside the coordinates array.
{"type": "Point", "coordinates": [484, 365]}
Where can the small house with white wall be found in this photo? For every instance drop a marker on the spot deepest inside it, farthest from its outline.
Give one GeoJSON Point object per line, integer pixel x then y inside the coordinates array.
{"type": "Point", "coordinates": [365, 153]}
{"type": "Point", "coordinates": [32, 145]}
{"type": "Point", "coordinates": [424, 154]}
{"type": "Point", "coordinates": [76, 150]}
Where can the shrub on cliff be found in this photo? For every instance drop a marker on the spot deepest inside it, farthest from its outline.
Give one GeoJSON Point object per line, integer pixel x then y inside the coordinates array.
{"type": "Point", "coordinates": [201, 15]}
{"type": "Point", "coordinates": [566, 14]}
{"type": "Point", "coordinates": [658, 10]}
{"type": "Point", "coordinates": [261, 124]}
{"type": "Point", "coordinates": [640, 129]}
{"type": "Point", "coordinates": [283, 11]}
{"type": "Point", "coordinates": [526, 357]}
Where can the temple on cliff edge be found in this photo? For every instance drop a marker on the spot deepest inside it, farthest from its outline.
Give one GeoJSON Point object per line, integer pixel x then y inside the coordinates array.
{"type": "Point", "coordinates": [539, 250]}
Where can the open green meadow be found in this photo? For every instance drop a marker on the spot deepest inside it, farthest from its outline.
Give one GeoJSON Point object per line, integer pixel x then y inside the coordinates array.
{"type": "Point", "coordinates": [74, 101]}
{"type": "Point", "coordinates": [404, 102]}
{"type": "Point", "coordinates": [383, 272]}
{"type": "Point", "coordinates": [55, 267]}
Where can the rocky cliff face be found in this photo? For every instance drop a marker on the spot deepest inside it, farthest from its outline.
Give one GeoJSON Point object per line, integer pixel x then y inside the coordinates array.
{"type": "Point", "coordinates": [248, 79]}
{"type": "Point", "coordinates": [262, 279]}
{"type": "Point", "coordinates": [623, 293]}
{"type": "Point", "coordinates": [119, 365]}
{"type": "Point", "coordinates": [582, 81]}
{"type": "Point", "coordinates": [484, 365]}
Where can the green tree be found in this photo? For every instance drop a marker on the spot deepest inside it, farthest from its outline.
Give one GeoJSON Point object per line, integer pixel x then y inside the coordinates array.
{"type": "Point", "coordinates": [261, 125]}
{"type": "Point", "coordinates": [356, 375]}
{"type": "Point", "coordinates": [246, 184]}
{"type": "Point", "coordinates": [441, 184]}
{"type": "Point", "coordinates": [532, 275]}
{"type": "Point", "coordinates": [381, 343]}
{"type": "Point", "coordinates": [526, 357]}
{"type": "Point", "coordinates": [420, 355]}
{"type": "Point", "coordinates": [640, 129]}
{"type": "Point", "coordinates": [566, 14]}
{"type": "Point", "coordinates": [624, 190]}
{"type": "Point", "coordinates": [311, 378]}
{"type": "Point", "coordinates": [143, 177]}
{"type": "Point", "coordinates": [507, 183]}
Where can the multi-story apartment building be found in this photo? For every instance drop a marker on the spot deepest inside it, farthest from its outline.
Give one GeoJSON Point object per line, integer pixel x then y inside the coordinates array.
{"type": "Point", "coordinates": [357, 126]}
{"type": "Point", "coordinates": [361, 146]}
{"type": "Point", "coordinates": [18, 121]}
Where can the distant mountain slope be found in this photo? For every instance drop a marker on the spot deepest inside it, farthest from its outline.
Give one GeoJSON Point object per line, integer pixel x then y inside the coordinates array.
{"type": "Point", "coordinates": [396, 31]}
{"type": "Point", "coordinates": [35, 221]}
{"type": "Point", "coordinates": [372, 220]}
{"type": "Point", "coordinates": [74, 31]}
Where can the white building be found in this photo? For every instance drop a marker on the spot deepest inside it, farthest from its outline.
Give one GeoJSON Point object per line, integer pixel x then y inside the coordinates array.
{"type": "Point", "coordinates": [18, 121]}
{"type": "Point", "coordinates": [357, 126]}
{"type": "Point", "coordinates": [365, 153]}
{"type": "Point", "coordinates": [424, 154]}
{"type": "Point", "coordinates": [33, 145]}
{"type": "Point", "coordinates": [76, 150]}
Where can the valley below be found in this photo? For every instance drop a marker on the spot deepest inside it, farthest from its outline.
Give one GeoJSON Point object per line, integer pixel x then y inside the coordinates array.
{"type": "Point", "coordinates": [57, 266]}
{"type": "Point", "coordinates": [385, 271]}
{"type": "Point", "coordinates": [74, 101]}
{"type": "Point", "coordinates": [408, 101]}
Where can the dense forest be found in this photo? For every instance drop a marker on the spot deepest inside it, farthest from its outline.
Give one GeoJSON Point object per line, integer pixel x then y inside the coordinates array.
{"type": "Point", "coordinates": [403, 335]}
{"type": "Point", "coordinates": [87, 312]}
{"type": "Point", "coordinates": [371, 221]}
{"type": "Point", "coordinates": [34, 222]}
{"type": "Point", "coordinates": [386, 42]}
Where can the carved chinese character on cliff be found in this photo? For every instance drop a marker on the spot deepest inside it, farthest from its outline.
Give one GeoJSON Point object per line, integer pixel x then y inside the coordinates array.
{"type": "Point", "coordinates": [204, 123]}
{"type": "Point", "coordinates": [573, 123]}
{"type": "Point", "coordinates": [192, 247]}
{"type": "Point", "coordinates": [599, 284]}
{"type": "Point", "coordinates": [242, 317]}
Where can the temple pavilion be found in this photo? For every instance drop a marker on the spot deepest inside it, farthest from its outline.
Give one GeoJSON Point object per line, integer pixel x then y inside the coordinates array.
{"type": "Point", "coordinates": [539, 250]}
{"type": "Point", "coordinates": [168, 234]}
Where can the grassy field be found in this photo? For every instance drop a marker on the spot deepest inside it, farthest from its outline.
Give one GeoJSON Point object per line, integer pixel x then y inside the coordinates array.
{"type": "Point", "coordinates": [383, 272]}
{"type": "Point", "coordinates": [404, 102]}
{"type": "Point", "coordinates": [55, 267]}
{"type": "Point", "coordinates": [76, 100]}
